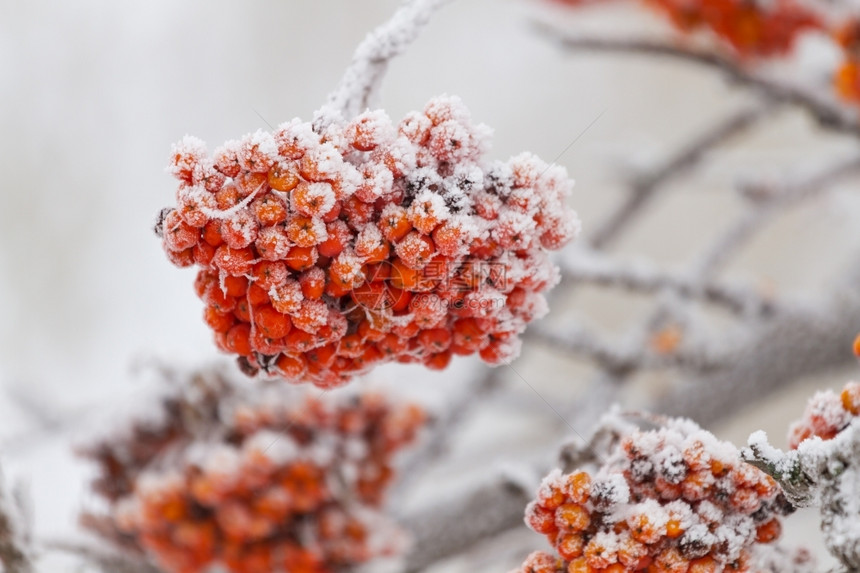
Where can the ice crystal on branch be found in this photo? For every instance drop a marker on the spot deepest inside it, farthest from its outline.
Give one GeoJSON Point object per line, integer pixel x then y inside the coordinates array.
{"type": "Point", "coordinates": [671, 499]}
{"type": "Point", "coordinates": [322, 253]}
{"type": "Point", "coordinates": [269, 480]}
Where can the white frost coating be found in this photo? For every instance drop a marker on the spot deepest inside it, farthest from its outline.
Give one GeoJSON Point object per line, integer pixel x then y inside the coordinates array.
{"type": "Point", "coordinates": [371, 58]}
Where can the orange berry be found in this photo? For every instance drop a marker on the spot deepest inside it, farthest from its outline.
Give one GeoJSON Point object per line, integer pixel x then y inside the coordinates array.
{"type": "Point", "coordinates": [313, 199]}
{"type": "Point", "coordinates": [404, 277]}
{"type": "Point", "coordinates": [577, 487]}
{"type": "Point", "coordinates": [272, 243]}
{"type": "Point", "coordinates": [270, 209]}
{"type": "Point", "coordinates": [339, 236]}
{"type": "Point", "coordinates": [851, 397]}
{"type": "Point", "coordinates": [705, 564]}
{"type": "Point", "coordinates": [269, 274]}
{"type": "Point", "coordinates": [263, 344]}
{"type": "Point", "coordinates": [415, 250]}
{"type": "Point", "coordinates": [572, 517]}
{"type": "Point", "coordinates": [357, 212]}
{"type": "Point", "coordinates": [203, 253]}
{"type": "Point", "coordinates": [438, 361]}
{"type": "Point", "coordinates": [540, 519]}
{"type": "Point", "coordinates": [212, 233]}
{"type": "Point", "coordinates": [273, 324]}
{"type": "Point", "coordinates": [305, 231]}
{"type": "Point", "coordinates": [642, 529]}
{"type": "Point", "coordinates": [312, 282]}
{"type": "Point", "coordinates": [580, 565]}
{"type": "Point", "coordinates": [570, 546]}
{"type": "Point", "coordinates": [177, 234]}
{"type": "Point", "coordinates": [239, 339]}
{"type": "Point", "coordinates": [282, 178]}
{"type": "Point", "coordinates": [234, 262]}
{"type": "Point", "coordinates": [394, 223]}
{"type": "Point", "coordinates": [674, 529]}
{"type": "Point", "coordinates": [768, 531]}
{"type": "Point", "coordinates": [240, 230]}
{"type": "Point", "coordinates": [311, 316]}
{"type": "Point", "coordinates": [301, 258]}
{"type": "Point", "coordinates": [217, 320]}
{"type": "Point", "coordinates": [435, 339]}
{"type": "Point", "coordinates": [256, 295]}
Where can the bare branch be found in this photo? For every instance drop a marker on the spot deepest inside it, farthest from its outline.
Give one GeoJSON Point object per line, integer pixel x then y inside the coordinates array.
{"type": "Point", "coordinates": [800, 341]}
{"type": "Point", "coordinates": [450, 527]}
{"type": "Point", "coordinates": [687, 157]}
{"type": "Point", "coordinates": [372, 56]}
{"type": "Point", "coordinates": [827, 114]}
{"type": "Point", "coordinates": [445, 427]}
{"type": "Point", "coordinates": [770, 203]}
{"type": "Point", "coordinates": [644, 277]}
{"type": "Point", "coordinates": [621, 360]}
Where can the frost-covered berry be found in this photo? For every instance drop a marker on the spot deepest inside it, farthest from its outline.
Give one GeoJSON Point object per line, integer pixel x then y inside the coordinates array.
{"type": "Point", "coordinates": [406, 228]}
{"type": "Point", "coordinates": [245, 480]}
{"type": "Point", "coordinates": [672, 499]}
{"type": "Point", "coordinates": [827, 413]}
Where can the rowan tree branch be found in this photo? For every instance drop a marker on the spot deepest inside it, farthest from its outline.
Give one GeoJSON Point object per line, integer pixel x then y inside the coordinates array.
{"type": "Point", "coordinates": [642, 276]}
{"type": "Point", "coordinates": [643, 189]}
{"type": "Point", "coordinates": [371, 57]}
{"type": "Point", "coordinates": [827, 114]}
{"type": "Point", "coordinates": [620, 359]}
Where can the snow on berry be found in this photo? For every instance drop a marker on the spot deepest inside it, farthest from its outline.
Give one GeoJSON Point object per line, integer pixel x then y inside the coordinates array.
{"type": "Point", "coordinates": [670, 499]}
{"type": "Point", "coordinates": [379, 213]}
{"type": "Point", "coordinates": [254, 479]}
{"type": "Point", "coordinates": [827, 413]}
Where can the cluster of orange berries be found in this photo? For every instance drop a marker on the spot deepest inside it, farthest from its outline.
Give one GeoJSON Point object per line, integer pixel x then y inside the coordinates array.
{"type": "Point", "coordinates": [281, 485]}
{"type": "Point", "coordinates": [326, 250]}
{"type": "Point", "coordinates": [751, 28]}
{"type": "Point", "coordinates": [827, 413]}
{"type": "Point", "coordinates": [672, 500]}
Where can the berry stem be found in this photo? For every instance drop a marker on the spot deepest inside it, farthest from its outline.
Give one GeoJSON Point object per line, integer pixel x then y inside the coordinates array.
{"type": "Point", "coordinates": [362, 78]}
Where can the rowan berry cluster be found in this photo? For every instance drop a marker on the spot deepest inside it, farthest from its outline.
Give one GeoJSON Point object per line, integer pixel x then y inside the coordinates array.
{"type": "Point", "coordinates": [278, 485]}
{"type": "Point", "coordinates": [674, 499]}
{"type": "Point", "coordinates": [326, 250]}
{"type": "Point", "coordinates": [827, 413]}
{"type": "Point", "coordinates": [751, 29]}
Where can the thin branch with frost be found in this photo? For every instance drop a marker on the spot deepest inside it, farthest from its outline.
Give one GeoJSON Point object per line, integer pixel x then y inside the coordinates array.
{"type": "Point", "coordinates": [828, 115]}
{"type": "Point", "coordinates": [823, 473]}
{"type": "Point", "coordinates": [803, 340]}
{"type": "Point", "coordinates": [477, 514]}
{"type": "Point", "coordinates": [644, 188]}
{"type": "Point", "coordinates": [444, 427]}
{"type": "Point", "coordinates": [770, 202]}
{"type": "Point", "coordinates": [644, 277]}
{"type": "Point", "coordinates": [622, 359]}
{"type": "Point", "coordinates": [371, 58]}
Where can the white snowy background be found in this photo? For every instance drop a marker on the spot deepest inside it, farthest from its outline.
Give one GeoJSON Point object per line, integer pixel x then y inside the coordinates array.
{"type": "Point", "coordinates": [94, 92]}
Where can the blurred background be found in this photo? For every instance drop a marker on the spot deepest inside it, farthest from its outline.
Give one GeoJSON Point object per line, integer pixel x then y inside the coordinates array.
{"type": "Point", "coordinates": [94, 93]}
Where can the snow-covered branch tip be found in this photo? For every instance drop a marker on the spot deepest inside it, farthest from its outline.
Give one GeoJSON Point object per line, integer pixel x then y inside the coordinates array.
{"type": "Point", "coordinates": [370, 60]}
{"type": "Point", "coordinates": [821, 469]}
